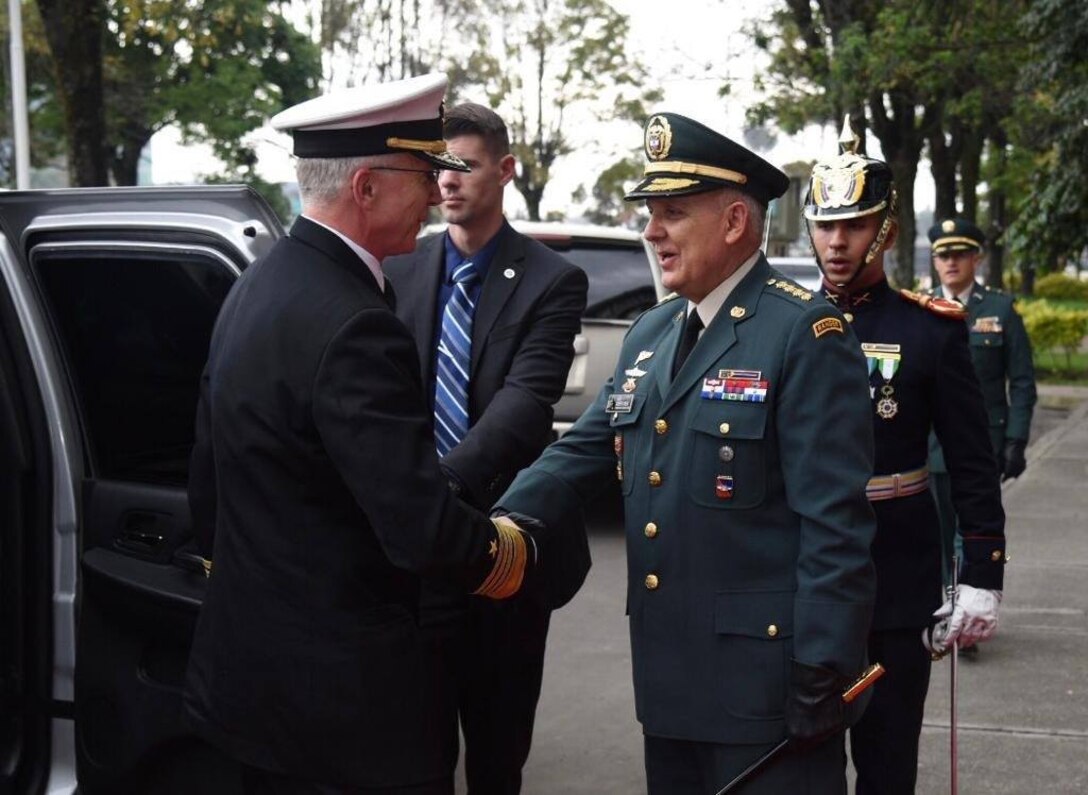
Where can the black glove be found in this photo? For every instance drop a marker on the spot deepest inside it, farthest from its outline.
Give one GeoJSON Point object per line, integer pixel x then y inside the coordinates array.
{"type": "Point", "coordinates": [814, 709]}
{"type": "Point", "coordinates": [1015, 464]}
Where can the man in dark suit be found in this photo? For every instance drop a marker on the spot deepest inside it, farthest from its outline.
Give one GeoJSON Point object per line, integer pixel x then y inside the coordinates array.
{"type": "Point", "coordinates": [736, 423]}
{"type": "Point", "coordinates": [526, 303]}
{"type": "Point", "coordinates": [315, 488]}
{"type": "Point", "coordinates": [920, 379]}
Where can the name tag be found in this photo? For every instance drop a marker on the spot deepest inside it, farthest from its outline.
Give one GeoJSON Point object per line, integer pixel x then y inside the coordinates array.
{"type": "Point", "coordinates": [619, 404]}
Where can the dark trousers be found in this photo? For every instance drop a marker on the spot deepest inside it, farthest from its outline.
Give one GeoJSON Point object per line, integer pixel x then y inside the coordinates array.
{"type": "Point", "coordinates": [884, 743]}
{"type": "Point", "coordinates": [499, 668]}
{"type": "Point", "coordinates": [684, 767]}
{"type": "Point", "coordinates": [256, 781]}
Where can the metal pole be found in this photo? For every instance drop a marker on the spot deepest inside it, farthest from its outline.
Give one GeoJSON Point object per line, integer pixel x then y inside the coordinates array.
{"type": "Point", "coordinates": [953, 748]}
{"type": "Point", "coordinates": [20, 128]}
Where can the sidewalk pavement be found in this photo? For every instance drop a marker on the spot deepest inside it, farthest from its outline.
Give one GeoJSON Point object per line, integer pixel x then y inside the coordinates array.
{"type": "Point", "coordinates": [1023, 704]}
{"type": "Point", "coordinates": [1023, 701]}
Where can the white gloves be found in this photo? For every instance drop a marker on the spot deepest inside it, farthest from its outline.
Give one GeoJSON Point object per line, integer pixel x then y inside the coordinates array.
{"type": "Point", "coordinates": [973, 620]}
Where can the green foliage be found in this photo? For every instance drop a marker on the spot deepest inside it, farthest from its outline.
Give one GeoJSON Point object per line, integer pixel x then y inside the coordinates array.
{"type": "Point", "coordinates": [1052, 328]}
{"type": "Point", "coordinates": [1060, 286]}
{"type": "Point", "coordinates": [45, 114]}
{"type": "Point", "coordinates": [1051, 226]}
{"type": "Point", "coordinates": [216, 68]}
{"type": "Point", "coordinates": [609, 208]}
{"type": "Point", "coordinates": [271, 192]}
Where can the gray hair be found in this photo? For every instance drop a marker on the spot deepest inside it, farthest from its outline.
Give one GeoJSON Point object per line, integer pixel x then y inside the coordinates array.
{"type": "Point", "coordinates": [322, 179]}
{"type": "Point", "coordinates": [757, 211]}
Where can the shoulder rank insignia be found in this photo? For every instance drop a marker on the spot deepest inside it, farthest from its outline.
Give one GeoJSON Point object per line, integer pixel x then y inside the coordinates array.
{"type": "Point", "coordinates": [790, 288]}
{"type": "Point", "coordinates": [938, 306]}
{"type": "Point", "coordinates": [826, 324]}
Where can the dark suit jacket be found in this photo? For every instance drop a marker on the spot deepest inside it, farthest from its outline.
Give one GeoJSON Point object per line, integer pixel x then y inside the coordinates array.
{"type": "Point", "coordinates": [316, 480]}
{"type": "Point", "coordinates": [523, 331]}
{"type": "Point", "coordinates": [747, 525]}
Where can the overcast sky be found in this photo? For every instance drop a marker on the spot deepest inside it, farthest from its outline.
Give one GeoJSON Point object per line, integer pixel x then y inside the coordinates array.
{"type": "Point", "coordinates": [677, 37]}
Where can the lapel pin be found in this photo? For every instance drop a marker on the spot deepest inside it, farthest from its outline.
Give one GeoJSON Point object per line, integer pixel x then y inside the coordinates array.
{"type": "Point", "coordinates": [509, 273]}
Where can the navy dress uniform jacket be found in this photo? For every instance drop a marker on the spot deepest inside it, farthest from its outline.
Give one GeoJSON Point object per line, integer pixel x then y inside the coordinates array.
{"type": "Point", "coordinates": [934, 388]}
{"type": "Point", "coordinates": [316, 490]}
{"type": "Point", "coordinates": [523, 330]}
{"type": "Point", "coordinates": [747, 525]}
{"type": "Point", "coordinates": [1001, 355]}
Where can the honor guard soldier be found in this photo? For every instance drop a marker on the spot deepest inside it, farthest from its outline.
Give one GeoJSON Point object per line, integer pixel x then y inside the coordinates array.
{"type": "Point", "coordinates": [737, 424]}
{"type": "Point", "coordinates": [315, 486]}
{"type": "Point", "coordinates": [1000, 352]}
{"type": "Point", "coordinates": [920, 378]}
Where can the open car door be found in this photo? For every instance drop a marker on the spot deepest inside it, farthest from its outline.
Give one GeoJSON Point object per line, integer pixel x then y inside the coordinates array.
{"type": "Point", "coordinates": [107, 303]}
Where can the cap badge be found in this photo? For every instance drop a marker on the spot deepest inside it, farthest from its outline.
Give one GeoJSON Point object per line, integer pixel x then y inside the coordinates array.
{"type": "Point", "coordinates": [948, 226]}
{"type": "Point", "coordinates": [658, 138]}
{"type": "Point", "coordinates": [840, 182]}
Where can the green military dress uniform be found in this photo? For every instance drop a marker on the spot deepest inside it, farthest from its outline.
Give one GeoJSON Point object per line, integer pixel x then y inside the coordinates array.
{"type": "Point", "coordinates": [1001, 355]}
{"type": "Point", "coordinates": [747, 525]}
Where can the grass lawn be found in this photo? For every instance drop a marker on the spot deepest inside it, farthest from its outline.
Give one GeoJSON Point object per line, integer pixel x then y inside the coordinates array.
{"type": "Point", "coordinates": [1054, 367]}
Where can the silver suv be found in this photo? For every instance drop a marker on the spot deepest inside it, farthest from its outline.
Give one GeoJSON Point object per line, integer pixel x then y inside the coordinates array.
{"type": "Point", "coordinates": [624, 281]}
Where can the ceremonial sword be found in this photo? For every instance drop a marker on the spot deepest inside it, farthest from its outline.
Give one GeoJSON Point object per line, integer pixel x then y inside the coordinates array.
{"type": "Point", "coordinates": [860, 685]}
{"type": "Point", "coordinates": [953, 750]}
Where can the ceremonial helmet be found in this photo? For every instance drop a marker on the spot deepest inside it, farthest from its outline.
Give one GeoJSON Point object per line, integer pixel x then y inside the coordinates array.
{"type": "Point", "coordinates": [851, 185]}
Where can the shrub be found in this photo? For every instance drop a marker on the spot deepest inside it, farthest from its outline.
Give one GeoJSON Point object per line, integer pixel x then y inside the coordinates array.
{"type": "Point", "coordinates": [1051, 327]}
{"type": "Point", "coordinates": [1059, 286]}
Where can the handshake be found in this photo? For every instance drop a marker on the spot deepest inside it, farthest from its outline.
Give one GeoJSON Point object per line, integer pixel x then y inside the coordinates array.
{"type": "Point", "coordinates": [515, 555]}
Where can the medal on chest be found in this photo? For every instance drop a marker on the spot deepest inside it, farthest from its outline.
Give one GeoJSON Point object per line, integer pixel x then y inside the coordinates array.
{"type": "Point", "coordinates": [883, 358]}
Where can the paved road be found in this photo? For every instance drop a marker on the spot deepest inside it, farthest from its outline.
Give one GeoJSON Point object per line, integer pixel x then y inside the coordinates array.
{"type": "Point", "coordinates": [1023, 704]}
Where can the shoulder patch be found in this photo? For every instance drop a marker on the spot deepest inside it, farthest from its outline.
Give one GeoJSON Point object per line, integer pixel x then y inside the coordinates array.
{"type": "Point", "coordinates": [668, 297]}
{"type": "Point", "coordinates": [825, 325]}
{"type": "Point", "coordinates": [938, 306]}
{"type": "Point", "coordinates": [790, 288]}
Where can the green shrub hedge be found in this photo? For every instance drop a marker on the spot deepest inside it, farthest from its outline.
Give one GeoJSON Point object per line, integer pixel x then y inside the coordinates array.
{"type": "Point", "coordinates": [1060, 286]}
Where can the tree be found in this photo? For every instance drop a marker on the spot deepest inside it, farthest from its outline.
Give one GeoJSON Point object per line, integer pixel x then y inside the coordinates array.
{"type": "Point", "coordinates": [73, 29]}
{"type": "Point", "coordinates": [608, 191]}
{"type": "Point", "coordinates": [1049, 179]}
{"type": "Point", "coordinates": [864, 57]}
{"type": "Point", "coordinates": [547, 66]}
{"type": "Point", "coordinates": [216, 68]}
{"type": "Point", "coordinates": [45, 144]}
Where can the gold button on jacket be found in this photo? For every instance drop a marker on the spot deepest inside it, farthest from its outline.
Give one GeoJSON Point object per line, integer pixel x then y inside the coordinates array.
{"type": "Point", "coordinates": [651, 530]}
{"type": "Point", "coordinates": [655, 478]}
{"type": "Point", "coordinates": [651, 582]}
{"type": "Point", "coordinates": [661, 426]}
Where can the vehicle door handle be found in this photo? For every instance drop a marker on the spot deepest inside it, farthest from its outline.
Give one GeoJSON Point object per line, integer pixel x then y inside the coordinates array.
{"type": "Point", "coordinates": [140, 538]}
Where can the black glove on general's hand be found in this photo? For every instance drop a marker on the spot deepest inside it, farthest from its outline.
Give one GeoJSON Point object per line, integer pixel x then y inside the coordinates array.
{"type": "Point", "coordinates": [1015, 464]}
{"type": "Point", "coordinates": [814, 709]}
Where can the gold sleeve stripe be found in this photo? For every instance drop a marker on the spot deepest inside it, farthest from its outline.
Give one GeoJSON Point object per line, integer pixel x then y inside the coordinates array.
{"type": "Point", "coordinates": [508, 567]}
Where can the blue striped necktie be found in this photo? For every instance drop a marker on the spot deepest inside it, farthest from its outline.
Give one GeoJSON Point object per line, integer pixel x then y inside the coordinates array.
{"type": "Point", "coordinates": [454, 361]}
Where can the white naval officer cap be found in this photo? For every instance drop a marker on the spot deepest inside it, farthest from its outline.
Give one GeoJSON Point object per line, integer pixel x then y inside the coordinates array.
{"type": "Point", "coordinates": [377, 119]}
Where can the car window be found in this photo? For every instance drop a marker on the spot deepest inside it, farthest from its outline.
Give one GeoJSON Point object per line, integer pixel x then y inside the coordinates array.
{"type": "Point", "coordinates": [620, 283]}
{"type": "Point", "coordinates": [135, 329]}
